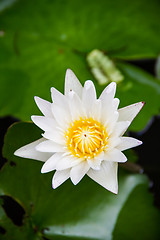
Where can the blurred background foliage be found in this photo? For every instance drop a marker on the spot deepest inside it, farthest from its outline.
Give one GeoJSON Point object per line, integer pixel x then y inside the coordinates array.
{"type": "Point", "coordinates": [39, 40]}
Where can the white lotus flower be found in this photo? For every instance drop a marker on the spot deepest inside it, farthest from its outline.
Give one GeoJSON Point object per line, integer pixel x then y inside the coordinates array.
{"type": "Point", "coordinates": [82, 134]}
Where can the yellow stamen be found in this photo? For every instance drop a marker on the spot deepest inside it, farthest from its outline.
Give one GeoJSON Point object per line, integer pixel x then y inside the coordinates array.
{"type": "Point", "coordinates": [86, 138]}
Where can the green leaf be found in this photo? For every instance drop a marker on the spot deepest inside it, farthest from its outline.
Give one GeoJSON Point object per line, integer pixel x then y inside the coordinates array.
{"type": "Point", "coordinates": [138, 218]}
{"type": "Point", "coordinates": [5, 3]}
{"type": "Point", "coordinates": [13, 232]}
{"type": "Point", "coordinates": [85, 211]}
{"type": "Point", "coordinates": [157, 68]}
{"type": "Point", "coordinates": [139, 86]}
{"type": "Point", "coordinates": [41, 40]}
{"type": "Point", "coordinates": [86, 25]}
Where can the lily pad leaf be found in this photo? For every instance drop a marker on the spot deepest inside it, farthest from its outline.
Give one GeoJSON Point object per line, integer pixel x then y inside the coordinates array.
{"type": "Point", "coordinates": [39, 41]}
{"type": "Point", "coordinates": [85, 211]}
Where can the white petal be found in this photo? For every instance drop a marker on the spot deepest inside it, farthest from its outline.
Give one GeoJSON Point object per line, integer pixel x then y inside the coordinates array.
{"type": "Point", "coordinates": [89, 97]}
{"type": "Point", "coordinates": [56, 136]}
{"type": "Point", "coordinates": [67, 162]}
{"type": "Point", "coordinates": [96, 162]}
{"type": "Point", "coordinates": [50, 146]}
{"type": "Point", "coordinates": [29, 151]}
{"type": "Point", "coordinates": [129, 113]}
{"type": "Point", "coordinates": [109, 105]}
{"type": "Point", "coordinates": [72, 83]}
{"type": "Point", "coordinates": [57, 97]}
{"type": "Point", "coordinates": [76, 108]}
{"type": "Point", "coordinates": [89, 89]}
{"type": "Point", "coordinates": [110, 121]}
{"type": "Point", "coordinates": [115, 155]}
{"type": "Point", "coordinates": [120, 128]}
{"type": "Point", "coordinates": [116, 102]}
{"type": "Point", "coordinates": [128, 142]}
{"type": "Point", "coordinates": [44, 106]}
{"type": "Point", "coordinates": [106, 176]}
{"type": "Point", "coordinates": [60, 177]}
{"type": "Point", "coordinates": [109, 92]}
{"type": "Point", "coordinates": [113, 142]}
{"type": "Point", "coordinates": [50, 164]}
{"type": "Point", "coordinates": [96, 110]}
{"type": "Point", "coordinates": [78, 172]}
{"type": "Point", "coordinates": [62, 115]}
{"type": "Point", "coordinates": [45, 123]}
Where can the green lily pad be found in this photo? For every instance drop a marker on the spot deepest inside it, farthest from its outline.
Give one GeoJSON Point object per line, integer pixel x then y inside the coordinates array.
{"type": "Point", "coordinates": [5, 4]}
{"type": "Point", "coordinates": [139, 86]}
{"type": "Point", "coordinates": [157, 68]}
{"type": "Point", "coordinates": [138, 218]}
{"type": "Point", "coordinates": [41, 40]}
{"type": "Point", "coordinates": [86, 25]}
{"type": "Point", "coordinates": [12, 232]}
{"type": "Point", "coordinates": [85, 211]}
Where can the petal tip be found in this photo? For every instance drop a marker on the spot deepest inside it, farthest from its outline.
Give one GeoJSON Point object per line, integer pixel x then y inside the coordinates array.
{"type": "Point", "coordinates": [115, 192]}
{"type": "Point", "coordinates": [19, 153]}
{"type": "Point", "coordinates": [43, 170]}
{"type": "Point", "coordinates": [88, 84]}
{"type": "Point", "coordinates": [16, 153]}
{"type": "Point", "coordinates": [51, 89]}
{"type": "Point", "coordinates": [69, 72]}
{"type": "Point", "coordinates": [32, 118]}
{"type": "Point", "coordinates": [143, 103]}
{"type": "Point", "coordinates": [36, 98]}
{"type": "Point", "coordinates": [114, 189]}
{"type": "Point", "coordinates": [73, 181]}
{"type": "Point", "coordinates": [139, 142]}
{"type": "Point", "coordinates": [72, 83]}
{"type": "Point", "coordinates": [111, 86]}
{"type": "Point", "coordinates": [55, 184]}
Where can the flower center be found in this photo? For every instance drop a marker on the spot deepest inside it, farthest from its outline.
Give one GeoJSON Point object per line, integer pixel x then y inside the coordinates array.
{"type": "Point", "coordinates": [86, 138]}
